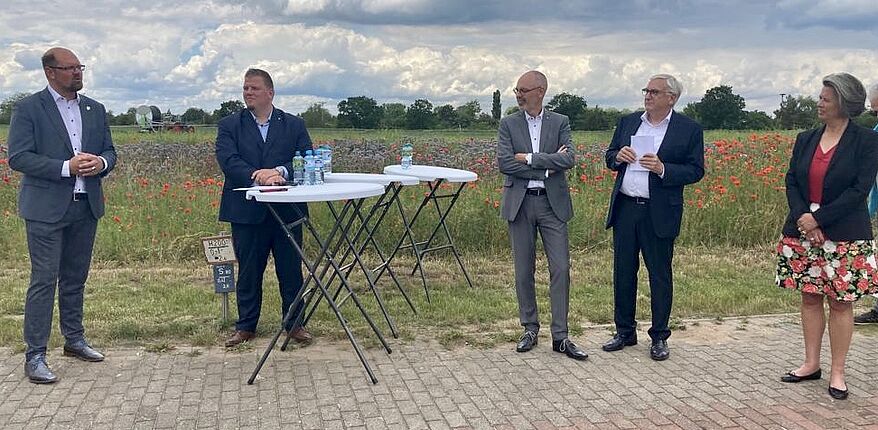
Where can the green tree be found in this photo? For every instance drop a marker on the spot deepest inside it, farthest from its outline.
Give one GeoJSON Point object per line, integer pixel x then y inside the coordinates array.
{"type": "Point", "coordinates": [317, 116]}
{"type": "Point", "coordinates": [467, 113]}
{"type": "Point", "coordinates": [496, 109]}
{"type": "Point", "coordinates": [512, 110]}
{"type": "Point", "coordinates": [757, 120]}
{"type": "Point", "coordinates": [568, 104]}
{"type": "Point", "coordinates": [394, 115]}
{"type": "Point", "coordinates": [227, 108]}
{"type": "Point", "coordinates": [445, 116]}
{"type": "Point", "coordinates": [720, 108]}
{"type": "Point", "coordinates": [359, 112]}
{"type": "Point", "coordinates": [796, 113]}
{"type": "Point", "coordinates": [8, 105]}
{"type": "Point", "coordinates": [867, 119]}
{"type": "Point", "coordinates": [127, 118]}
{"type": "Point", "coordinates": [195, 115]}
{"type": "Point", "coordinates": [420, 115]}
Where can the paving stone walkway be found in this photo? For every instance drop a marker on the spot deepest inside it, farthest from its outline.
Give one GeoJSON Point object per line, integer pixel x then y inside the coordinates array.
{"type": "Point", "coordinates": [719, 376]}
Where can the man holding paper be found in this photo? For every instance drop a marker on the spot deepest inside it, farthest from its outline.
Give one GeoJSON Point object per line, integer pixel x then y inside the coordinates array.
{"type": "Point", "coordinates": [656, 153]}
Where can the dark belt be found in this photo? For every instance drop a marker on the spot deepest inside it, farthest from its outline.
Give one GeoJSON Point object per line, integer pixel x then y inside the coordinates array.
{"type": "Point", "coordinates": [77, 197]}
{"type": "Point", "coordinates": [536, 191]}
{"type": "Point", "coordinates": [635, 200]}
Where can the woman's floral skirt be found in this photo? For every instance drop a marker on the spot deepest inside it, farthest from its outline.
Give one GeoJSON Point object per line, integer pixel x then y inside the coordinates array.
{"type": "Point", "coordinates": [844, 271]}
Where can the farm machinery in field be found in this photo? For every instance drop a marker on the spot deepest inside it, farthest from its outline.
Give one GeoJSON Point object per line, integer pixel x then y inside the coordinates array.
{"type": "Point", "coordinates": [151, 119]}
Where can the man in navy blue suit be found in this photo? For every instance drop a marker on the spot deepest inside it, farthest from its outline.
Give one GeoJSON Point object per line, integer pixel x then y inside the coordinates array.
{"type": "Point", "coordinates": [255, 147]}
{"type": "Point", "coordinates": [646, 206]}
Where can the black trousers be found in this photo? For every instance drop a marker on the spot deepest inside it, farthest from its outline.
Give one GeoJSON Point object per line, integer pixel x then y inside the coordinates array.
{"type": "Point", "coordinates": [633, 234]}
{"type": "Point", "coordinates": [253, 242]}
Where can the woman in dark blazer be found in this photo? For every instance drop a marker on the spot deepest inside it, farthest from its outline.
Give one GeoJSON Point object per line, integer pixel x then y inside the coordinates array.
{"type": "Point", "coordinates": [827, 249]}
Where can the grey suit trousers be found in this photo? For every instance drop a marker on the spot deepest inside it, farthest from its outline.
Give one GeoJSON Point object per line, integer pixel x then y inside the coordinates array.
{"type": "Point", "coordinates": [535, 214]}
{"type": "Point", "coordinates": [60, 255]}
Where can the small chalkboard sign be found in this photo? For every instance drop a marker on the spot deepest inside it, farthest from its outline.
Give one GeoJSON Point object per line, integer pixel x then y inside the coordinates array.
{"type": "Point", "coordinates": [218, 249]}
{"type": "Point", "coordinates": [224, 278]}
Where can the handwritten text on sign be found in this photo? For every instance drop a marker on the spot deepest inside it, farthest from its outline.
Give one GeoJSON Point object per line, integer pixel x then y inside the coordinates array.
{"type": "Point", "coordinates": [224, 278]}
{"type": "Point", "coordinates": [218, 249]}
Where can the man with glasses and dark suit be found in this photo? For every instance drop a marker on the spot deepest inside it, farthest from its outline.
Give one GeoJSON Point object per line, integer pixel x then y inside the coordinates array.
{"type": "Point", "coordinates": [534, 153]}
{"type": "Point", "coordinates": [646, 206]}
{"type": "Point", "coordinates": [60, 141]}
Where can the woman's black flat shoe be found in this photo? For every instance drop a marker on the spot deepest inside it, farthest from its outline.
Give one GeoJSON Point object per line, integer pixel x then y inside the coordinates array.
{"type": "Point", "coordinates": [838, 394]}
{"type": "Point", "coordinates": [793, 378]}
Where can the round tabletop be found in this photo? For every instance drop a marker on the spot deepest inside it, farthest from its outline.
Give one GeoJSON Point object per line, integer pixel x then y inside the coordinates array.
{"type": "Point", "coordinates": [370, 178]}
{"type": "Point", "coordinates": [432, 173]}
{"type": "Point", "coordinates": [315, 193]}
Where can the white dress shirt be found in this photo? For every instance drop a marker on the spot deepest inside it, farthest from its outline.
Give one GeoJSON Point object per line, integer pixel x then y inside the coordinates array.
{"type": "Point", "coordinates": [534, 128]}
{"type": "Point", "coordinates": [263, 131]}
{"type": "Point", "coordinates": [635, 183]}
{"type": "Point", "coordinates": [72, 118]}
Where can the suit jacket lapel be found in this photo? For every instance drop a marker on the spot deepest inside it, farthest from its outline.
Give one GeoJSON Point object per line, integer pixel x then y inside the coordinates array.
{"type": "Point", "coordinates": [670, 135]}
{"type": "Point", "coordinates": [274, 129]}
{"type": "Point", "coordinates": [803, 165]}
{"type": "Point", "coordinates": [545, 129]}
{"type": "Point", "coordinates": [524, 134]}
{"type": "Point", "coordinates": [85, 113]}
{"type": "Point", "coordinates": [55, 117]}
{"type": "Point", "coordinates": [844, 144]}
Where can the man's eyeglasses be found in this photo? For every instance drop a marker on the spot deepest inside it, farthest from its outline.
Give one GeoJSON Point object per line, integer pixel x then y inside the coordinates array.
{"type": "Point", "coordinates": [80, 67]}
{"type": "Point", "coordinates": [652, 92]}
{"type": "Point", "coordinates": [523, 91]}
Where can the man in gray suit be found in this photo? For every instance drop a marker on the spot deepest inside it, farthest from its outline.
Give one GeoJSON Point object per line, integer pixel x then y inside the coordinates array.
{"type": "Point", "coordinates": [60, 142]}
{"type": "Point", "coordinates": [534, 153]}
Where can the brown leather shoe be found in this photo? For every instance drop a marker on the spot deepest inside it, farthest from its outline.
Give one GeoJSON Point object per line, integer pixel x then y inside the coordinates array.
{"type": "Point", "coordinates": [239, 337]}
{"type": "Point", "coordinates": [300, 335]}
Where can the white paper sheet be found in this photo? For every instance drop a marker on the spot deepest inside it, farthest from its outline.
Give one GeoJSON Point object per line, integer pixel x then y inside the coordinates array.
{"type": "Point", "coordinates": [641, 145]}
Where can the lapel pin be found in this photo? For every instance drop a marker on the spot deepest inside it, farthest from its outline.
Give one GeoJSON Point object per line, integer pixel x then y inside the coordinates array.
{"type": "Point", "coordinates": [87, 107]}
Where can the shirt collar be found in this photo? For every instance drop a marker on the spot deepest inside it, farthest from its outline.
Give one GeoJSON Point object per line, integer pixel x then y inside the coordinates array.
{"type": "Point", "coordinates": [665, 121]}
{"type": "Point", "coordinates": [534, 118]}
{"type": "Point", "coordinates": [58, 97]}
{"type": "Point", "coordinates": [257, 121]}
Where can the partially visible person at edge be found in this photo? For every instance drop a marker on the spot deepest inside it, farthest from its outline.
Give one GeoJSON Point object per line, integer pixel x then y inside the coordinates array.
{"type": "Point", "coordinates": [827, 251]}
{"type": "Point", "coordinates": [871, 316]}
{"type": "Point", "coordinates": [255, 147]}
{"type": "Point", "coordinates": [60, 140]}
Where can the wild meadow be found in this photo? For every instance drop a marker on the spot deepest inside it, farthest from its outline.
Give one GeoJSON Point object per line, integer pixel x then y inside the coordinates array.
{"type": "Point", "coordinates": [150, 284]}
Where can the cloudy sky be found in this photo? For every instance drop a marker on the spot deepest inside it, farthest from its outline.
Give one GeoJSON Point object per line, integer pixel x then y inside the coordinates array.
{"type": "Point", "coordinates": [178, 54]}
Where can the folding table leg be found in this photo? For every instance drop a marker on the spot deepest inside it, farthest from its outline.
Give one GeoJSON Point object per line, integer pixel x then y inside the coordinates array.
{"type": "Point", "coordinates": [441, 223]}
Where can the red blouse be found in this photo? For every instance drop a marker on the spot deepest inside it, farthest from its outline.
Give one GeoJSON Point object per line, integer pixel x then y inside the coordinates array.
{"type": "Point", "coordinates": [817, 172]}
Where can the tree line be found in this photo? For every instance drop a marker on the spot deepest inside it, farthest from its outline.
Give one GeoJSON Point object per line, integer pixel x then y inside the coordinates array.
{"type": "Point", "coordinates": [719, 108]}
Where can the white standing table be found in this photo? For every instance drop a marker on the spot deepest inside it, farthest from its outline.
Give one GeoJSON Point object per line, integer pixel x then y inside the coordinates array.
{"type": "Point", "coordinates": [353, 195]}
{"type": "Point", "coordinates": [434, 177]}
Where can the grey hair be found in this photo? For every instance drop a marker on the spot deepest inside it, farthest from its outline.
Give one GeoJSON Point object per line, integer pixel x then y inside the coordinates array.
{"type": "Point", "coordinates": [873, 92]}
{"type": "Point", "coordinates": [675, 87]}
{"type": "Point", "coordinates": [850, 91]}
{"type": "Point", "coordinates": [540, 77]}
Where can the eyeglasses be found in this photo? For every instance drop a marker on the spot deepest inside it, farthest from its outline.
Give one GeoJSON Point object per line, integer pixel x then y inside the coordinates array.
{"type": "Point", "coordinates": [652, 92]}
{"type": "Point", "coordinates": [523, 91]}
{"type": "Point", "coordinates": [80, 67]}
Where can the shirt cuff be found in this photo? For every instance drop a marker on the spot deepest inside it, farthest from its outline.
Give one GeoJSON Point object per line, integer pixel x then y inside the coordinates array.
{"type": "Point", "coordinates": [106, 165]}
{"type": "Point", "coordinates": [547, 173]}
{"type": "Point", "coordinates": [528, 157]}
{"type": "Point", "coordinates": [65, 169]}
{"type": "Point", "coordinates": [283, 172]}
{"type": "Point", "coordinates": [662, 174]}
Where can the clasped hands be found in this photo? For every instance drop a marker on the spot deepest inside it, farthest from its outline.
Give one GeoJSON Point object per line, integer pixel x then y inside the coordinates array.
{"type": "Point", "coordinates": [809, 229]}
{"type": "Point", "coordinates": [268, 177]}
{"type": "Point", "coordinates": [85, 164]}
{"type": "Point", "coordinates": [649, 161]}
{"type": "Point", "coordinates": [521, 157]}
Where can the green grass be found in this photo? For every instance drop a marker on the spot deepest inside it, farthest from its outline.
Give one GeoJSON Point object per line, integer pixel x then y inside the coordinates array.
{"type": "Point", "coordinates": [174, 304]}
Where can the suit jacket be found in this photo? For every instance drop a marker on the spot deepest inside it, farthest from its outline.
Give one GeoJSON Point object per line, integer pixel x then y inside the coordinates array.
{"type": "Point", "coordinates": [514, 137]}
{"type": "Point", "coordinates": [240, 151]}
{"type": "Point", "coordinates": [682, 153]}
{"type": "Point", "coordinates": [851, 173]}
{"type": "Point", "coordinates": [38, 146]}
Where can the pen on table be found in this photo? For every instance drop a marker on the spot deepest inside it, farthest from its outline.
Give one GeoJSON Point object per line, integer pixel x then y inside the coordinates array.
{"type": "Point", "coordinates": [271, 190]}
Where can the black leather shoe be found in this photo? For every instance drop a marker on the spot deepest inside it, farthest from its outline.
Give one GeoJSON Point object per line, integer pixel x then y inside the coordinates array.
{"type": "Point", "coordinates": [569, 348]}
{"type": "Point", "coordinates": [838, 394]}
{"type": "Point", "coordinates": [83, 351]}
{"type": "Point", "coordinates": [527, 341]}
{"type": "Point", "coordinates": [659, 350]}
{"type": "Point", "coordinates": [619, 342]}
{"type": "Point", "coordinates": [793, 378]}
{"type": "Point", "coordinates": [37, 370]}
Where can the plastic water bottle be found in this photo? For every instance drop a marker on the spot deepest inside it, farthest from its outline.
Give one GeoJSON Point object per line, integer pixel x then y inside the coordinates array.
{"type": "Point", "coordinates": [318, 167]}
{"type": "Point", "coordinates": [309, 167]}
{"type": "Point", "coordinates": [406, 159]}
{"type": "Point", "coordinates": [327, 159]}
{"type": "Point", "coordinates": [298, 169]}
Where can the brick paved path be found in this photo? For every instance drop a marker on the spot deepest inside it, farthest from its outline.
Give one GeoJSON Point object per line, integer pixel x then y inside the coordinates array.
{"type": "Point", "coordinates": [718, 376]}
